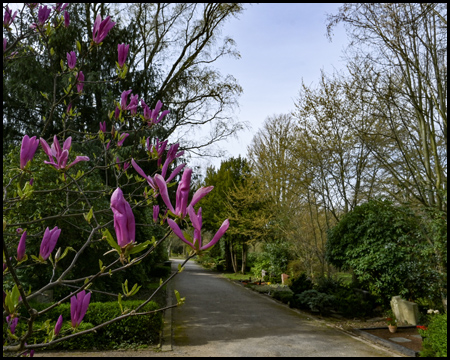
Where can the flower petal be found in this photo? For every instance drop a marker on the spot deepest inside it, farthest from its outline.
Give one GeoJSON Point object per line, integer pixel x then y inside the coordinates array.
{"type": "Point", "coordinates": [177, 231]}
{"type": "Point", "coordinates": [223, 228]}
{"type": "Point", "coordinates": [162, 186]}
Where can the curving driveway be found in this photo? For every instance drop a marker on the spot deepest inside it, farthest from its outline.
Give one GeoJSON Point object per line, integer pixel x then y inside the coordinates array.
{"type": "Point", "coordinates": [220, 318]}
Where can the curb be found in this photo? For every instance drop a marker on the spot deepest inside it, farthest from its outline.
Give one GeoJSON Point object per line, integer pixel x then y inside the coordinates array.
{"type": "Point", "coordinates": [386, 343]}
{"type": "Point", "coordinates": [166, 336]}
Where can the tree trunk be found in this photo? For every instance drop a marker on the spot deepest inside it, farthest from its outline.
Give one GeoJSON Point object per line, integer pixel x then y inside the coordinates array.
{"type": "Point", "coordinates": [228, 262]}
{"type": "Point", "coordinates": [233, 258]}
{"type": "Point", "coordinates": [244, 258]}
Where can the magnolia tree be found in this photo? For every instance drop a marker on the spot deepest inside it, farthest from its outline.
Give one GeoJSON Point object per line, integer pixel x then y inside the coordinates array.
{"type": "Point", "coordinates": [67, 180]}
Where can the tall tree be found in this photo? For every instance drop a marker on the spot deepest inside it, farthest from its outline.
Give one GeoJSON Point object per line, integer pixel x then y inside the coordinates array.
{"type": "Point", "coordinates": [172, 48]}
{"type": "Point", "coordinates": [399, 65]}
{"type": "Point", "coordinates": [232, 173]}
{"type": "Point", "coordinates": [251, 215]}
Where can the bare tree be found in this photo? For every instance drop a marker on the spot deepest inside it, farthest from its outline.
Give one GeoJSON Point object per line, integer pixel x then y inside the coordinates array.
{"type": "Point", "coordinates": [399, 68]}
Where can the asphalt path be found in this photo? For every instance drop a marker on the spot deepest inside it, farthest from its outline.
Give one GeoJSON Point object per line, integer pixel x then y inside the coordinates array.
{"type": "Point", "coordinates": [221, 318]}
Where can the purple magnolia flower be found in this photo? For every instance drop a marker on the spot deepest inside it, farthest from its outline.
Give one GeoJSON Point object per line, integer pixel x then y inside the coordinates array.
{"type": "Point", "coordinates": [9, 17]}
{"type": "Point", "coordinates": [132, 106]}
{"type": "Point", "coordinates": [78, 307]}
{"type": "Point", "coordinates": [196, 220]}
{"type": "Point", "coordinates": [124, 222]}
{"type": "Point", "coordinates": [171, 156]}
{"type": "Point", "coordinates": [117, 113]}
{"type": "Point", "coordinates": [152, 115]}
{"type": "Point", "coordinates": [27, 150]}
{"type": "Point", "coordinates": [155, 213]}
{"type": "Point", "coordinates": [12, 323]}
{"type": "Point", "coordinates": [182, 193]}
{"type": "Point", "coordinates": [66, 19]}
{"type": "Point", "coordinates": [159, 148]}
{"type": "Point", "coordinates": [61, 155]}
{"type": "Point", "coordinates": [142, 173]}
{"type": "Point", "coordinates": [49, 242]}
{"type": "Point", "coordinates": [123, 52]}
{"type": "Point", "coordinates": [125, 164]}
{"type": "Point", "coordinates": [58, 325]}
{"type": "Point", "coordinates": [21, 246]}
{"type": "Point", "coordinates": [59, 7]}
{"type": "Point", "coordinates": [5, 42]}
{"type": "Point", "coordinates": [80, 80]}
{"type": "Point", "coordinates": [43, 15]}
{"type": "Point", "coordinates": [122, 139]}
{"type": "Point", "coordinates": [103, 126]}
{"type": "Point", "coordinates": [71, 60]}
{"type": "Point", "coordinates": [101, 29]}
{"type": "Point", "coordinates": [149, 179]}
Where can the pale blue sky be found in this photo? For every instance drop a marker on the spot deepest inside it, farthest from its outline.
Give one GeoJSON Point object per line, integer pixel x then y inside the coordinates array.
{"type": "Point", "coordinates": [280, 44]}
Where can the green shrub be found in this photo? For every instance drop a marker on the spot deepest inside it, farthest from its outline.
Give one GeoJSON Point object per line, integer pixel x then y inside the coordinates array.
{"type": "Point", "coordinates": [349, 301]}
{"type": "Point", "coordinates": [434, 342]}
{"type": "Point", "coordinates": [284, 296]}
{"type": "Point", "coordinates": [142, 329]}
{"type": "Point", "coordinates": [301, 284]}
{"type": "Point", "coordinates": [316, 301]}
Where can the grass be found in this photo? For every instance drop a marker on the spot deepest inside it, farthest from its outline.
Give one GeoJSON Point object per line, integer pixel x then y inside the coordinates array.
{"type": "Point", "coordinates": [237, 276]}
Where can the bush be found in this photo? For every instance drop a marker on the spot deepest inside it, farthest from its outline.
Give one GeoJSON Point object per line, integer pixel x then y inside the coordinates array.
{"type": "Point", "coordinates": [301, 284]}
{"type": "Point", "coordinates": [132, 330]}
{"type": "Point", "coordinates": [350, 302]}
{"type": "Point", "coordinates": [315, 301]}
{"type": "Point", "coordinates": [283, 296]}
{"type": "Point", "coordinates": [434, 343]}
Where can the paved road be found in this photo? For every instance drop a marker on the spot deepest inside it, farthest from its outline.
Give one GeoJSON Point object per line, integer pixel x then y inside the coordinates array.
{"type": "Point", "coordinates": [220, 318]}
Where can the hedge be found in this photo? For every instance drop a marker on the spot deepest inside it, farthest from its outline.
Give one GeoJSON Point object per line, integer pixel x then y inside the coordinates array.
{"type": "Point", "coordinates": [138, 330]}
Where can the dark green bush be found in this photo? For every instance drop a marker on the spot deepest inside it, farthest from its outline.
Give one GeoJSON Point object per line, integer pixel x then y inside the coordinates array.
{"type": "Point", "coordinates": [316, 301]}
{"type": "Point", "coordinates": [434, 343]}
{"type": "Point", "coordinates": [284, 296]}
{"type": "Point", "coordinates": [143, 329]}
{"type": "Point", "coordinates": [301, 284]}
{"type": "Point", "coordinates": [350, 302]}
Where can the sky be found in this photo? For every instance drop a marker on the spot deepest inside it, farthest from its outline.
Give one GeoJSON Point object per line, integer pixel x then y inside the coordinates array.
{"type": "Point", "coordinates": [280, 44]}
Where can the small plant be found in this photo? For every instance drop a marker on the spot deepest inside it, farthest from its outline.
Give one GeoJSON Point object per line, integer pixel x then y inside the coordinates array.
{"type": "Point", "coordinates": [391, 319]}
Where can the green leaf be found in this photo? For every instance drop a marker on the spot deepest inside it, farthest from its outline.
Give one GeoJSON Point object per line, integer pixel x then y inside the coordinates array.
{"type": "Point", "coordinates": [88, 217]}
{"type": "Point", "coordinates": [180, 300]}
{"type": "Point", "coordinates": [134, 290]}
{"type": "Point", "coordinates": [107, 235]}
{"type": "Point", "coordinates": [66, 250]}
{"type": "Point", "coordinates": [140, 247]}
{"type": "Point", "coordinates": [78, 46]}
{"type": "Point", "coordinates": [125, 287]}
{"type": "Point", "coordinates": [119, 300]}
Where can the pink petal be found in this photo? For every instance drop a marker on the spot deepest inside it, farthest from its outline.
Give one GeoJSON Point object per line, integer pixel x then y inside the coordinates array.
{"type": "Point", "coordinates": [200, 193]}
{"type": "Point", "coordinates": [177, 231]}
{"type": "Point", "coordinates": [162, 186]}
{"type": "Point", "coordinates": [218, 235]}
